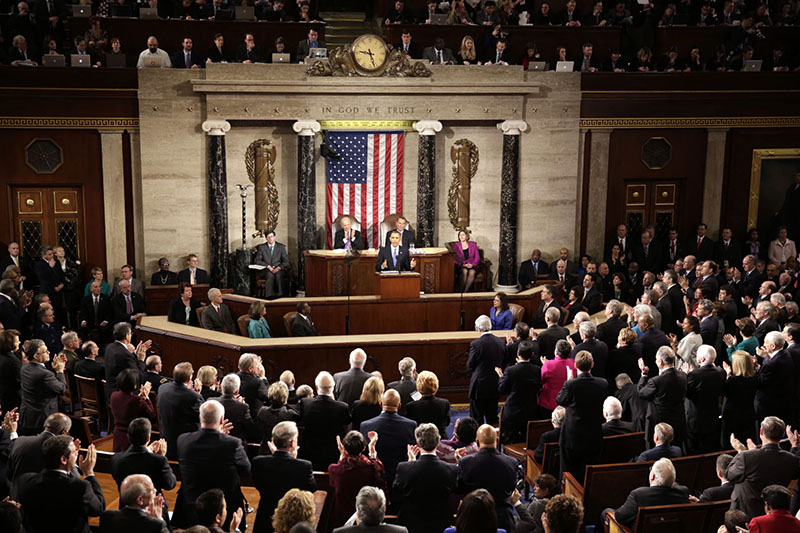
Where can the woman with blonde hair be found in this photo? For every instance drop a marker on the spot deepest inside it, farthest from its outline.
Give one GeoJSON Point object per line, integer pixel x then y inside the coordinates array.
{"type": "Point", "coordinates": [97, 275]}
{"type": "Point", "coordinates": [296, 506]}
{"type": "Point", "coordinates": [738, 412]}
{"type": "Point", "coordinates": [207, 376]}
{"type": "Point", "coordinates": [258, 328]}
{"type": "Point", "coordinates": [429, 409]}
{"type": "Point", "coordinates": [467, 54]}
{"type": "Point", "coordinates": [369, 405]}
{"type": "Point", "coordinates": [277, 411]}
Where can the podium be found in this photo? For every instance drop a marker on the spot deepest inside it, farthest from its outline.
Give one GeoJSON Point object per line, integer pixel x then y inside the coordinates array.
{"type": "Point", "coordinates": [397, 286]}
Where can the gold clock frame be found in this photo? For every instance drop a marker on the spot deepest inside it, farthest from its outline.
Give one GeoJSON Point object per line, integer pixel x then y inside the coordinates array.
{"type": "Point", "coordinates": [380, 69]}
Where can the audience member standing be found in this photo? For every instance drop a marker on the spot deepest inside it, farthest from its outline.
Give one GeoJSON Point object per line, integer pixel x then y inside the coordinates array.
{"type": "Point", "coordinates": [41, 388]}
{"type": "Point", "coordinates": [485, 353]}
{"type": "Point", "coordinates": [666, 393]}
{"type": "Point", "coordinates": [178, 407]}
{"type": "Point", "coordinates": [350, 383]}
{"type": "Point", "coordinates": [324, 419]}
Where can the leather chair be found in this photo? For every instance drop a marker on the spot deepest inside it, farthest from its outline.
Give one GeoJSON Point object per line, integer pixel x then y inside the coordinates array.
{"type": "Point", "coordinates": [517, 313]}
{"type": "Point", "coordinates": [199, 312]}
{"type": "Point", "coordinates": [242, 322]}
{"type": "Point", "coordinates": [337, 225]}
{"type": "Point", "coordinates": [483, 272]}
{"type": "Point", "coordinates": [288, 318]}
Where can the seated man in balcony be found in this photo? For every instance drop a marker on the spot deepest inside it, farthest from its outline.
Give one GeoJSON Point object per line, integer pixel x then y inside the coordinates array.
{"type": "Point", "coordinates": [151, 53]}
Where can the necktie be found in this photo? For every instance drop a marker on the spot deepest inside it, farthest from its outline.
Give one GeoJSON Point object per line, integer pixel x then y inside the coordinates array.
{"type": "Point", "coordinates": [646, 249]}
{"type": "Point", "coordinates": [498, 57]}
{"type": "Point", "coordinates": [271, 249]}
{"type": "Point", "coordinates": [406, 48]}
{"type": "Point", "coordinates": [672, 250]}
{"type": "Point", "coordinates": [535, 269]}
{"type": "Point", "coordinates": [439, 56]}
{"type": "Point", "coordinates": [561, 278]}
{"type": "Point", "coordinates": [219, 311]}
{"type": "Point", "coordinates": [191, 277]}
{"type": "Point", "coordinates": [16, 260]}
{"type": "Point", "coordinates": [188, 60]}
{"type": "Point", "coordinates": [96, 303]}
{"type": "Point", "coordinates": [585, 63]}
{"type": "Point", "coordinates": [347, 241]}
{"type": "Point", "coordinates": [128, 305]}
{"type": "Point", "coordinates": [313, 44]}
{"type": "Point", "coordinates": [622, 246]}
{"type": "Point", "coordinates": [699, 240]}
{"type": "Point", "coordinates": [394, 256]}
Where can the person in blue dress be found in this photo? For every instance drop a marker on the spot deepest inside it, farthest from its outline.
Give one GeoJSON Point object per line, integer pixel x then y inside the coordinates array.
{"type": "Point", "coordinates": [500, 314]}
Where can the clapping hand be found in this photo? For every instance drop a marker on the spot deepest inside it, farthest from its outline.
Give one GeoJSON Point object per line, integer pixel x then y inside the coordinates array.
{"type": "Point", "coordinates": [342, 451]}
{"type": "Point", "coordinates": [156, 507]}
{"type": "Point", "coordinates": [236, 519]}
{"type": "Point", "coordinates": [158, 447]}
{"type": "Point", "coordinates": [373, 441]}
{"type": "Point", "coordinates": [794, 436]}
{"type": "Point", "coordinates": [543, 359]}
{"type": "Point", "coordinates": [226, 427]}
{"type": "Point", "coordinates": [728, 340]}
{"type": "Point", "coordinates": [726, 367]}
{"type": "Point", "coordinates": [87, 463]}
{"type": "Point", "coordinates": [569, 373]}
{"type": "Point", "coordinates": [141, 349]}
{"type": "Point", "coordinates": [642, 366]}
{"type": "Point", "coordinates": [11, 420]}
{"type": "Point", "coordinates": [736, 444]}
{"type": "Point", "coordinates": [413, 450]}
{"type": "Point", "coordinates": [145, 389]}
{"type": "Point", "coordinates": [59, 363]}
{"type": "Point", "coordinates": [499, 371]}
{"type": "Point", "coordinates": [673, 339]}
{"type": "Point", "coordinates": [571, 341]}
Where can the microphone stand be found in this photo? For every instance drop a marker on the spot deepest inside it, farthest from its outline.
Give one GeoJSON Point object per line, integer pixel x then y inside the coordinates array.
{"type": "Point", "coordinates": [462, 312]}
{"type": "Point", "coordinates": [351, 256]}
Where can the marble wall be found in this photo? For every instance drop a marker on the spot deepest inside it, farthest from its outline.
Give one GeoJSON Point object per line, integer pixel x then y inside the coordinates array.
{"type": "Point", "coordinates": [264, 102]}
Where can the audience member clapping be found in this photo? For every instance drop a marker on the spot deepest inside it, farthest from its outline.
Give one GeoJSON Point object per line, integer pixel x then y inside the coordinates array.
{"type": "Point", "coordinates": [353, 471]}
{"type": "Point", "coordinates": [275, 413]}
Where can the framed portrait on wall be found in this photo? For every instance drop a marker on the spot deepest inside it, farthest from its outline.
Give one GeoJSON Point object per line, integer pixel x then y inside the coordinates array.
{"type": "Point", "coordinates": [775, 192]}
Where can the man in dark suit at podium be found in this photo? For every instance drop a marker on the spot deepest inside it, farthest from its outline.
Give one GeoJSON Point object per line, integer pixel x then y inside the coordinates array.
{"type": "Point", "coordinates": [406, 235]}
{"type": "Point", "coordinates": [393, 256]}
{"type": "Point", "coordinates": [347, 237]}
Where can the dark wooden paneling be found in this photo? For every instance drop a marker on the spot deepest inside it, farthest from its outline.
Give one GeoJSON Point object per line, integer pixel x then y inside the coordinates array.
{"type": "Point", "coordinates": [81, 167]}
{"type": "Point", "coordinates": [687, 165]}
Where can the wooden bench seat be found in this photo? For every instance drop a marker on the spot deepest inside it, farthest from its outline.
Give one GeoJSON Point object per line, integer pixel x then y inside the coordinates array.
{"type": "Point", "coordinates": [533, 433]}
{"type": "Point", "coordinates": [684, 518]}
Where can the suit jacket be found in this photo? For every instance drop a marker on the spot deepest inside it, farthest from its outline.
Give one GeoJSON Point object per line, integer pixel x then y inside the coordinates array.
{"type": "Point", "coordinates": [304, 48]}
{"type": "Point", "coordinates": [385, 254]}
{"type": "Point", "coordinates": [654, 260]}
{"type": "Point", "coordinates": [238, 414]}
{"type": "Point", "coordinates": [669, 257]}
{"type": "Point", "coordinates": [764, 327]}
{"type": "Point", "coordinates": [704, 252]}
{"type": "Point", "coordinates": [749, 284]}
{"type": "Point", "coordinates": [666, 393]}
{"type": "Point", "coordinates": [599, 352]}
{"type": "Point", "coordinates": [26, 455]}
{"type": "Point", "coordinates": [548, 437]}
{"type": "Point", "coordinates": [117, 358]}
{"type": "Point", "coordinates": [578, 64]}
{"type": "Point", "coordinates": [139, 460]}
{"type": "Point", "coordinates": [254, 391]}
{"type": "Point", "coordinates": [704, 388]}
{"type": "Point", "coordinates": [657, 452]}
{"type": "Point", "coordinates": [675, 294]}
{"type": "Point", "coordinates": [491, 470]}
{"type": "Point", "coordinates": [278, 258]}
{"type": "Point", "coordinates": [104, 311]}
{"type": "Point", "coordinates": [527, 272]}
{"type": "Point", "coordinates": [608, 331]}
{"type": "Point", "coordinates": [137, 287]}
{"type": "Point", "coordinates": [356, 241]}
{"type": "Point", "coordinates": [548, 338]}
{"type": "Point", "coordinates": [717, 494]}
{"type": "Point", "coordinates": [617, 427]}
{"type": "Point", "coordinates": [302, 327]}
{"type": "Point", "coordinates": [130, 520]}
{"type": "Point", "coordinates": [273, 476]}
{"type": "Point", "coordinates": [521, 382]}
{"type": "Point", "coordinates": [10, 386]}
{"type": "Point", "coordinates": [395, 433]}
{"type": "Point", "coordinates": [429, 54]}
{"type": "Point", "coordinates": [775, 393]}
{"type": "Point", "coordinates": [485, 353]}
{"type": "Point", "coordinates": [422, 488]}
{"type": "Point", "coordinates": [405, 386]}
{"type": "Point", "coordinates": [583, 399]}
{"type": "Point", "coordinates": [538, 321]}
{"type": "Point", "coordinates": [179, 412]}
{"type": "Point", "coordinates": [431, 410]}
{"type": "Point", "coordinates": [651, 340]}
{"type": "Point", "coordinates": [200, 276]}
{"type": "Point", "coordinates": [11, 313]}
{"type": "Point", "coordinates": [119, 307]}
{"type": "Point", "coordinates": [41, 389]}
{"type": "Point", "coordinates": [48, 277]}
{"type": "Point", "coordinates": [649, 496]}
{"type": "Point", "coordinates": [221, 321]}
{"type": "Point", "coordinates": [209, 460]}
{"type": "Point", "coordinates": [414, 50]}
{"type": "Point", "coordinates": [505, 56]}
{"type": "Point", "coordinates": [177, 312]}
{"type": "Point", "coordinates": [77, 500]}
{"type": "Point", "coordinates": [593, 300]}
{"type": "Point", "coordinates": [730, 255]}
{"type": "Point", "coordinates": [322, 418]}
{"type": "Point", "coordinates": [172, 277]}
{"type": "Point", "coordinates": [752, 470]}
{"type": "Point", "coordinates": [708, 330]}
{"type": "Point", "coordinates": [349, 385]}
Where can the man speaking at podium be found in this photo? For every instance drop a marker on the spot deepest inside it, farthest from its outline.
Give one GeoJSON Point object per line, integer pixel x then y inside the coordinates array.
{"type": "Point", "coordinates": [347, 237]}
{"type": "Point", "coordinates": [394, 256]}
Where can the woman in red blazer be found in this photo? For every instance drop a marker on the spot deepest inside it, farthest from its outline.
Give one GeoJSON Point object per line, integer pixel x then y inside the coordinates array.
{"type": "Point", "coordinates": [467, 258]}
{"type": "Point", "coordinates": [128, 402]}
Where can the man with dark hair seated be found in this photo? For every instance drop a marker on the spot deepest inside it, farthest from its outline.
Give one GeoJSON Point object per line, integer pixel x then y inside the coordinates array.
{"type": "Point", "coordinates": [663, 490]}
{"type": "Point", "coordinates": [723, 491]}
{"type": "Point", "coordinates": [778, 519]}
{"type": "Point", "coordinates": [662, 436]}
{"type": "Point", "coordinates": [211, 510]}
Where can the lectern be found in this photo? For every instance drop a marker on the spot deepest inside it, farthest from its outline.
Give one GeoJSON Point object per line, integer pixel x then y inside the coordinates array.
{"type": "Point", "coordinates": [397, 286]}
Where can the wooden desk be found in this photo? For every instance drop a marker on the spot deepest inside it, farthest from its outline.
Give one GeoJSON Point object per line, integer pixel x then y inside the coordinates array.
{"type": "Point", "coordinates": [397, 286]}
{"type": "Point", "coordinates": [327, 272]}
{"type": "Point", "coordinates": [159, 297]}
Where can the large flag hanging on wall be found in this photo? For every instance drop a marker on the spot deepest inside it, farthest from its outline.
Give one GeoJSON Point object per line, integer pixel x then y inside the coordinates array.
{"type": "Point", "coordinates": [366, 182]}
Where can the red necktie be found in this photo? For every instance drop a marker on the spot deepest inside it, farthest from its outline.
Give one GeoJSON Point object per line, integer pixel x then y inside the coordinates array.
{"type": "Point", "coordinates": [699, 240]}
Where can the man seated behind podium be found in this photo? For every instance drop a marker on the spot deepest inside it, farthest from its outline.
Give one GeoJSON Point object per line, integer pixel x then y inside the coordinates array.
{"type": "Point", "coordinates": [217, 316]}
{"type": "Point", "coordinates": [406, 235]}
{"type": "Point", "coordinates": [347, 238]}
{"type": "Point", "coordinates": [394, 256]}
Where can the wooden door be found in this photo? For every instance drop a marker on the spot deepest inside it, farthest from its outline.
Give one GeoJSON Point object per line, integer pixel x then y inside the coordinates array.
{"type": "Point", "coordinates": [650, 202]}
{"type": "Point", "coordinates": [49, 216]}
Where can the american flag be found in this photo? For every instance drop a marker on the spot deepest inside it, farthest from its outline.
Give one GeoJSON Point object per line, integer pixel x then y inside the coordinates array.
{"type": "Point", "coordinates": [367, 182]}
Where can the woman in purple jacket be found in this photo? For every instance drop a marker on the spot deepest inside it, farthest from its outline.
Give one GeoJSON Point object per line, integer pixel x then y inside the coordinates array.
{"type": "Point", "coordinates": [467, 259]}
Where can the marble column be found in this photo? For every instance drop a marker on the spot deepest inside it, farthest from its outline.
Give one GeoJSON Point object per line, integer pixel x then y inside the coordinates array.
{"type": "Point", "coordinates": [306, 193]}
{"type": "Point", "coordinates": [114, 201]}
{"type": "Point", "coordinates": [426, 181]}
{"type": "Point", "coordinates": [712, 186]}
{"type": "Point", "coordinates": [599, 147]}
{"type": "Point", "coordinates": [217, 201]}
{"type": "Point", "coordinates": [509, 200]}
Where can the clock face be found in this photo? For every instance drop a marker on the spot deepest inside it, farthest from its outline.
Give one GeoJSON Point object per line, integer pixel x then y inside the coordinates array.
{"type": "Point", "coordinates": [369, 52]}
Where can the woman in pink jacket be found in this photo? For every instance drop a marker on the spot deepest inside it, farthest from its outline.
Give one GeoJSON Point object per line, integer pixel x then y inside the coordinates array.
{"type": "Point", "coordinates": [466, 258]}
{"type": "Point", "coordinates": [554, 374]}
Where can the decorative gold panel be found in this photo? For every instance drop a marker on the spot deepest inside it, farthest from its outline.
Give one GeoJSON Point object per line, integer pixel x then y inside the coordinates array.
{"type": "Point", "coordinates": [29, 202]}
{"type": "Point", "coordinates": [665, 194]}
{"type": "Point", "coordinates": [755, 176]}
{"type": "Point", "coordinates": [635, 195]}
{"type": "Point", "coordinates": [65, 202]}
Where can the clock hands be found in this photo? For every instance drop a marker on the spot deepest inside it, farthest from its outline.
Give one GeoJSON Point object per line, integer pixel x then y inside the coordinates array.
{"type": "Point", "coordinates": [370, 54]}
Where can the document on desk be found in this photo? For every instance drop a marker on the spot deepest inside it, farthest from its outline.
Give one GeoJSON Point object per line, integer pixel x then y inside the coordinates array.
{"type": "Point", "coordinates": [389, 272]}
{"type": "Point", "coordinates": [256, 267]}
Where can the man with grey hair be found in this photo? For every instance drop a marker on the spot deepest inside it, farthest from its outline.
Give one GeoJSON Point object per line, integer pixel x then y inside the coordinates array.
{"type": "Point", "coordinates": [548, 338]}
{"type": "Point", "coordinates": [608, 331]}
{"type": "Point", "coordinates": [237, 412]}
{"type": "Point", "coordinates": [71, 343]}
{"type": "Point", "coordinates": [709, 326]}
{"type": "Point", "coordinates": [650, 339]}
{"type": "Point", "coordinates": [217, 316]}
{"type": "Point", "coordinates": [407, 384]}
{"type": "Point", "coordinates": [556, 418]}
{"type": "Point", "coordinates": [423, 485]}
{"type": "Point", "coordinates": [153, 367]}
{"type": "Point", "coordinates": [663, 305]}
{"type": "Point", "coordinates": [350, 382]}
{"type": "Point", "coordinates": [662, 437]}
{"type": "Point", "coordinates": [485, 353]}
{"type": "Point", "coordinates": [210, 458]}
{"type": "Point", "coordinates": [126, 305]}
{"type": "Point", "coordinates": [775, 392]}
{"type": "Point", "coordinates": [370, 511]}
{"type": "Point", "coordinates": [663, 490]}
{"type": "Point", "coordinates": [323, 418]}
{"type": "Point", "coordinates": [704, 388]}
{"type": "Point", "coordinates": [253, 385]}
{"type": "Point", "coordinates": [598, 349]}
{"type": "Point", "coordinates": [666, 393]}
{"type": "Point", "coordinates": [580, 317]}
{"type": "Point", "coordinates": [274, 475]}
{"type": "Point", "coordinates": [764, 317]}
{"type": "Point", "coordinates": [140, 508]}
{"type": "Point", "coordinates": [612, 412]}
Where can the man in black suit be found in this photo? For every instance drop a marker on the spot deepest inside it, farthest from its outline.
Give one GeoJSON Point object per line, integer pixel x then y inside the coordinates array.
{"type": "Point", "coordinates": [393, 256]}
{"type": "Point", "coordinates": [26, 453]}
{"type": "Point", "coordinates": [127, 306]}
{"type": "Point", "coordinates": [704, 389]}
{"type": "Point", "coordinates": [14, 258]}
{"type": "Point", "coordinates": [608, 331]}
{"type": "Point", "coordinates": [50, 277]}
{"type": "Point", "coordinates": [347, 237]}
{"type": "Point", "coordinates": [491, 470]}
{"type": "Point", "coordinates": [209, 459]}
{"type": "Point", "coordinates": [521, 332]}
{"type": "Point", "coordinates": [724, 491]}
{"type": "Point", "coordinates": [548, 295]}
{"type": "Point", "coordinates": [274, 475]}
{"type": "Point", "coordinates": [407, 384]}
{"type": "Point", "coordinates": [621, 240]}
{"type": "Point", "coordinates": [662, 491]}
{"type": "Point", "coordinates": [140, 509]}
{"type": "Point", "coordinates": [569, 265]}
{"type": "Point", "coordinates": [597, 348]}
{"type": "Point", "coordinates": [549, 437]}
{"type": "Point", "coordinates": [40, 387]}
{"type": "Point", "coordinates": [350, 383]}
{"type": "Point", "coordinates": [141, 458]}
{"type": "Point", "coordinates": [395, 433]}
{"type": "Point", "coordinates": [748, 281]}
{"type": "Point", "coordinates": [675, 294]}
{"type": "Point", "coordinates": [763, 313]}
{"type": "Point", "coordinates": [662, 438]}
{"type": "Point", "coordinates": [273, 256]}
{"type": "Point", "coordinates": [521, 382]}
{"type": "Point", "coordinates": [164, 276]}
{"type": "Point", "coordinates": [192, 274]}
{"type": "Point", "coordinates": [88, 367]}
{"type": "Point", "coordinates": [652, 339]}
{"type": "Point", "coordinates": [12, 306]}
{"type": "Point", "coordinates": [302, 325]}
{"type": "Point", "coordinates": [56, 500]}
{"type": "Point", "coordinates": [728, 252]}
{"type": "Point", "coordinates": [423, 485]}
{"type": "Point", "coordinates": [528, 270]}
{"type": "Point", "coordinates": [666, 392]}
{"type": "Point", "coordinates": [775, 392]}
{"type": "Point", "coordinates": [614, 425]}
{"type": "Point", "coordinates": [96, 313]}
{"type": "Point", "coordinates": [178, 407]}
{"type": "Point", "coordinates": [237, 411]}
{"type": "Point", "coordinates": [323, 419]}
{"type": "Point", "coordinates": [305, 46]}
{"type": "Point", "coordinates": [485, 353]}
{"type": "Point", "coordinates": [217, 316]}
{"type": "Point", "coordinates": [592, 298]}
{"type": "Point", "coordinates": [707, 275]}
{"type": "Point", "coordinates": [582, 432]}
{"type": "Point", "coordinates": [406, 235]}
{"type": "Point", "coordinates": [673, 247]}
{"type": "Point", "coordinates": [498, 56]}
{"type": "Point", "coordinates": [118, 356]}
{"type": "Point", "coordinates": [153, 368]}
{"type": "Point", "coordinates": [648, 254]}
{"type": "Point", "coordinates": [558, 272]}
{"type": "Point", "coordinates": [548, 338]}
{"type": "Point", "coordinates": [370, 512]}
{"type": "Point", "coordinates": [408, 46]}
{"type": "Point", "coordinates": [586, 62]}
{"type": "Point", "coordinates": [663, 305]}
{"type": "Point", "coordinates": [701, 246]}
{"type": "Point", "coordinates": [709, 326]}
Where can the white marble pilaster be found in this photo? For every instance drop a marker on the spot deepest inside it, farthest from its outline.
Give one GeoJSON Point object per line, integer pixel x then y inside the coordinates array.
{"type": "Point", "coordinates": [113, 201]}
{"type": "Point", "coordinates": [712, 185]}
{"type": "Point", "coordinates": [598, 191]}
